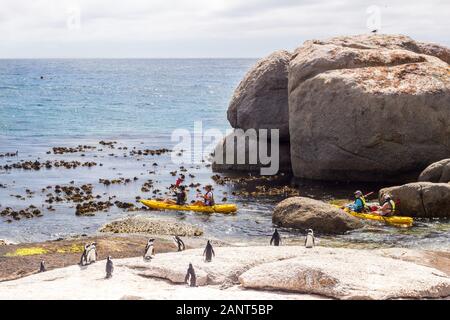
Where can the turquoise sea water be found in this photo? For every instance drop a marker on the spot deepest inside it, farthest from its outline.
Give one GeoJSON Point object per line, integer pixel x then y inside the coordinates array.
{"type": "Point", "coordinates": [137, 103]}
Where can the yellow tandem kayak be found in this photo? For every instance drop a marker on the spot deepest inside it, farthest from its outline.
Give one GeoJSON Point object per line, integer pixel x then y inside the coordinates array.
{"type": "Point", "coordinates": [219, 208]}
{"type": "Point", "coordinates": [396, 221]}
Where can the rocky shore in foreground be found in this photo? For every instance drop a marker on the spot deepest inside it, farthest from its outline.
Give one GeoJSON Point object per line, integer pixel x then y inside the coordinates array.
{"type": "Point", "coordinates": [289, 272]}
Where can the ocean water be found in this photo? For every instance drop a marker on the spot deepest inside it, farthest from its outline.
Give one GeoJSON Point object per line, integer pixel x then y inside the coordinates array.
{"type": "Point", "coordinates": [138, 103]}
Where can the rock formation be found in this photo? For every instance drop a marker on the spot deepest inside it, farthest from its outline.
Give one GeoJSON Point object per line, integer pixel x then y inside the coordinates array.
{"type": "Point", "coordinates": [367, 108]}
{"type": "Point", "coordinates": [421, 199]}
{"type": "Point", "coordinates": [360, 108]}
{"type": "Point", "coordinates": [436, 172]}
{"type": "Point", "coordinates": [304, 213]}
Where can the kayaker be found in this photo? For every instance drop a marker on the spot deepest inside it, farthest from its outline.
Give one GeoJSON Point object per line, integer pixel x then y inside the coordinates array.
{"type": "Point", "coordinates": [180, 180]}
{"type": "Point", "coordinates": [388, 206]}
{"type": "Point", "coordinates": [208, 197]}
{"type": "Point", "coordinates": [360, 203]}
{"type": "Point", "coordinates": [180, 197]}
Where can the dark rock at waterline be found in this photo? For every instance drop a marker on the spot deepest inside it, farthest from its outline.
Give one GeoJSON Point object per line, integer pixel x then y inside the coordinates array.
{"type": "Point", "coordinates": [247, 152]}
{"type": "Point", "coordinates": [421, 199]}
{"type": "Point", "coordinates": [305, 213]}
{"type": "Point", "coordinates": [436, 172]}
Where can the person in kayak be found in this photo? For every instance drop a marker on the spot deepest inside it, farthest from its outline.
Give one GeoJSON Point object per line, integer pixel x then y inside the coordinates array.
{"type": "Point", "coordinates": [180, 180]}
{"type": "Point", "coordinates": [180, 197]}
{"type": "Point", "coordinates": [360, 203]}
{"type": "Point", "coordinates": [208, 198]}
{"type": "Point", "coordinates": [388, 207]}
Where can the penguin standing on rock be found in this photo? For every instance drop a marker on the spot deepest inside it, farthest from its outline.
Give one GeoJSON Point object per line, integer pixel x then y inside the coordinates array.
{"type": "Point", "coordinates": [179, 243]}
{"type": "Point", "coordinates": [191, 278]}
{"type": "Point", "coordinates": [42, 266]}
{"type": "Point", "coordinates": [91, 254]}
{"type": "Point", "coordinates": [149, 250]}
{"type": "Point", "coordinates": [276, 239]}
{"type": "Point", "coordinates": [83, 260]}
{"type": "Point", "coordinates": [310, 241]}
{"type": "Point", "coordinates": [109, 268]}
{"type": "Point", "coordinates": [209, 252]}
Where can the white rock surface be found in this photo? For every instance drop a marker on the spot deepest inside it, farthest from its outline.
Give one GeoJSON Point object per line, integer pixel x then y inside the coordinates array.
{"type": "Point", "coordinates": [331, 272]}
{"type": "Point", "coordinates": [349, 274]}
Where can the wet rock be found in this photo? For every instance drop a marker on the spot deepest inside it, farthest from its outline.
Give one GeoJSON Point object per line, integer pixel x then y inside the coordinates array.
{"type": "Point", "coordinates": [91, 207]}
{"type": "Point", "coordinates": [305, 213]}
{"type": "Point", "coordinates": [79, 148]}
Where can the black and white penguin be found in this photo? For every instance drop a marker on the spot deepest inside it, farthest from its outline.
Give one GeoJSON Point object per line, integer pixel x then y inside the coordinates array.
{"type": "Point", "coordinates": [42, 266]}
{"type": "Point", "coordinates": [109, 268]}
{"type": "Point", "coordinates": [209, 252]}
{"type": "Point", "coordinates": [191, 278]}
{"type": "Point", "coordinates": [310, 240]}
{"type": "Point", "coordinates": [91, 254]}
{"type": "Point", "coordinates": [276, 238]}
{"type": "Point", "coordinates": [179, 243]}
{"type": "Point", "coordinates": [149, 250]}
{"type": "Point", "coordinates": [83, 259]}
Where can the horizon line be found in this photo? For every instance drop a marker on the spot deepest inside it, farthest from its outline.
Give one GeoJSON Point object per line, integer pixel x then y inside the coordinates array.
{"type": "Point", "coordinates": [128, 58]}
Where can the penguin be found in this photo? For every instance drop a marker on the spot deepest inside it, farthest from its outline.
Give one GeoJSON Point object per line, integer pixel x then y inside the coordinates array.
{"type": "Point", "coordinates": [276, 238]}
{"type": "Point", "coordinates": [42, 266]}
{"type": "Point", "coordinates": [191, 278]}
{"type": "Point", "coordinates": [109, 267]}
{"type": "Point", "coordinates": [83, 259]}
{"type": "Point", "coordinates": [91, 254]}
{"type": "Point", "coordinates": [179, 243]}
{"type": "Point", "coordinates": [149, 250]}
{"type": "Point", "coordinates": [209, 252]}
{"type": "Point", "coordinates": [310, 240]}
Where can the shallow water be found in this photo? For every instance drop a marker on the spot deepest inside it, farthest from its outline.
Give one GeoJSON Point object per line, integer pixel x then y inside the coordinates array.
{"type": "Point", "coordinates": [138, 103]}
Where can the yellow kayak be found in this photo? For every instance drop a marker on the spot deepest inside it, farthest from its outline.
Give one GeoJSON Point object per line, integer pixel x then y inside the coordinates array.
{"type": "Point", "coordinates": [396, 221]}
{"type": "Point", "coordinates": [219, 208]}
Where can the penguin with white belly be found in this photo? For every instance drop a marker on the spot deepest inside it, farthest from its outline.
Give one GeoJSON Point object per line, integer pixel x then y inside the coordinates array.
{"type": "Point", "coordinates": [149, 250]}
{"type": "Point", "coordinates": [91, 254]}
{"type": "Point", "coordinates": [310, 241]}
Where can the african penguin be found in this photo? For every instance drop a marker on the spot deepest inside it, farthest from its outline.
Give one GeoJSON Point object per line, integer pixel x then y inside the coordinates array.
{"type": "Point", "coordinates": [310, 240]}
{"type": "Point", "coordinates": [109, 268]}
{"type": "Point", "coordinates": [209, 252]}
{"type": "Point", "coordinates": [149, 250]}
{"type": "Point", "coordinates": [276, 238]}
{"type": "Point", "coordinates": [179, 243]}
{"type": "Point", "coordinates": [191, 278]}
{"type": "Point", "coordinates": [91, 254]}
{"type": "Point", "coordinates": [42, 266]}
{"type": "Point", "coordinates": [83, 259]}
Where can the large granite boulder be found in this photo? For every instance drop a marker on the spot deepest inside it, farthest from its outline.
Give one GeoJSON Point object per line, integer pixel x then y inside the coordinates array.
{"type": "Point", "coordinates": [304, 213]}
{"type": "Point", "coordinates": [436, 172]}
{"type": "Point", "coordinates": [346, 274]}
{"type": "Point", "coordinates": [261, 99]}
{"type": "Point", "coordinates": [368, 108]}
{"type": "Point", "coordinates": [242, 156]}
{"type": "Point", "coordinates": [421, 199]}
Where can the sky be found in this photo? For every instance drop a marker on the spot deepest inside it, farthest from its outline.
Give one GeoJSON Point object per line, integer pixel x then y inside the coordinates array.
{"type": "Point", "coordinates": [203, 28]}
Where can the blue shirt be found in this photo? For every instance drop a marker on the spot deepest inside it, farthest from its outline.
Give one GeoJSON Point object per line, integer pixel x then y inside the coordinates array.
{"type": "Point", "coordinates": [358, 206]}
